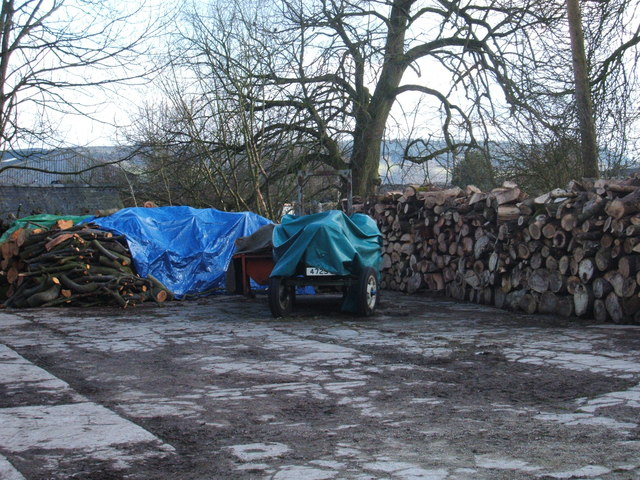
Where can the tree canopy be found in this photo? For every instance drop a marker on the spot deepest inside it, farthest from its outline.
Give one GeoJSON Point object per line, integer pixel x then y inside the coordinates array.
{"type": "Point", "coordinates": [330, 72]}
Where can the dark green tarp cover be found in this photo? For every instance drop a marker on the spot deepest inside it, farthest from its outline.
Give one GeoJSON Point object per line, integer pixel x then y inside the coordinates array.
{"type": "Point", "coordinates": [43, 220]}
{"type": "Point", "coordinates": [330, 240]}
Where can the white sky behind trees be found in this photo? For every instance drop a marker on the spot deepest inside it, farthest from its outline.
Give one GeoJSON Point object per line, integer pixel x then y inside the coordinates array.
{"type": "Point", "coordinates": [104, 113]}
{"type": "Point", "coordinates": [82, 105]}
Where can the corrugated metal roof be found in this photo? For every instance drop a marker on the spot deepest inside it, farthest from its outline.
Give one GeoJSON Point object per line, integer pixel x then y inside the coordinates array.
{"type": "Point", "coordinates": [46, 167]}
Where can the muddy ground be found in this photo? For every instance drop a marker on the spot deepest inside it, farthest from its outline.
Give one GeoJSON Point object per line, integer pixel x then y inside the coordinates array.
{"type": "Point", "coordinates": [217, 389]}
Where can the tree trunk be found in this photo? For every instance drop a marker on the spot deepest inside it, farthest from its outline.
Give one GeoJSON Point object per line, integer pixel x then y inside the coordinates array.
{"type": "Point", "coordinates": [372, 119]}
{"type": "Point", "coordinates": [364, 164]}
{"type": "Point", "coordinates": [582, 91]}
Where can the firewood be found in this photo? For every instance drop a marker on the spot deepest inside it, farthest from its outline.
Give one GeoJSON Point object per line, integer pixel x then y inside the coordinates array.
{"type": "Point", "coordinates": [572, 283]}
{"type": "Point", "coordinates": [603, 259]}
{"type": "Point", "coordinates": [629, 265]}
{"type": "Point", "coordinates": [557, 282]}
{"type": "Point", "coordinates": [508, 213]}
{"type": "Point", "coordinates": [472, 279]}
{"type": "Point", "coordinates": [600, 310]}
{"type": "Point", "coordinates": [528, 303]}
{"type": "Point", "coordinates": [549, 230]}
{"type": "Point", "coordinates": [583, 298]}
{"type": "Point", "coordinates": [482, 246]}
{"type": "Point", "coordinates": [63, 224]}
{"type": "Point", "coordinates": [78, 265]}
{"type": "Point", "coordinates": [559, 239]}
{"type": "Point", "coordinates": [539, 280]}
{"type": "Point", "coordinates": [614, 308]}
{"type": "Point", "coordinates": [622, 286]}
{"type": "Point", "coordinates": [563, 264]}
{"type": "Point", "coordinates": [542, 199]}
{"type": "Point", "coordinates": [536, 260]}
{"type": "Point", "coordinates": [606, 240]}
{"type": "Point", "coordinates": [632, 230]}
{"type": "Point", "coordinates": [627, 205]}
{"type": "Point", "coordinates": [629, 244]}
{"type": "Point", "coordinates": [535, 229]}
{"type": "Point", "coordinates": [569, 221]}
{"type": "Point", "coordinates": [506, 195]}
{"type": "Point", "coordinates": [586, 269]}
{"type": "Point", "coordinates": [601, 287]}
{"type": "Point", "coordinates": [631, 305]}
{"type": "Point", "coordinates": [548, 303]}
{"type": "Point", "coordinates": [565, 306]}
{"type": "Point", "coordinates": [485, 296]}
{"type": "Point", "coordinates": [496, 248]}
{"type": "Point", "coordinates": [477, 197]}
{"type": "Point", "coordinates": [47, 295]}
{"type": "Point", "coordinates": [551, 263]}
{"type": "Point", "coordinates": [414, 283]}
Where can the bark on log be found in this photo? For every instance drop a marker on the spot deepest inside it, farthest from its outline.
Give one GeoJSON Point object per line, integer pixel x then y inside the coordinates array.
{"type": "Point", "coordinates": [586, 269]}
{"type": "Point", "coordinates": [614, 309]}
{"type": "Point", "coordinates": [626, 205]}
{"type": "Point", "coordinates": [583, 300]}
{"type": "Point", "coordinates": [600, 311]}
{"type": "Point", "coordinates": [539, 280]}
{"type": "Point", "coordinates": [548, 303]}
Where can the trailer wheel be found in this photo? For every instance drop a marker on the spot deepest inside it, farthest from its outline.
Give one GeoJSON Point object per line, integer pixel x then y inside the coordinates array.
{"type": "Point", "coordinates": [367, 292]}
{"type": "Point", "coordinates": [281, 297]}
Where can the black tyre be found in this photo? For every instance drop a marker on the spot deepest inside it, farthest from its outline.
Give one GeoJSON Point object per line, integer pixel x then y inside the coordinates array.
{"type": "Point", "coordinates": [367, 292]}
{"type": "Point", "coordinates": [281, 297]}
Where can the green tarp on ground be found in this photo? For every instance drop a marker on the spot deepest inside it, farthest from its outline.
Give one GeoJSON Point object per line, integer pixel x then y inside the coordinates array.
{"type": "Point", "coordinates": [44, 220]}
{"type": "Point", "coordinates": [331, 240]}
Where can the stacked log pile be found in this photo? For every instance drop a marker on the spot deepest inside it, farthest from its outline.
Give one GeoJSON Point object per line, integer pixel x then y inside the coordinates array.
{"type": "Point", "coordinates": [573, 251]}
{"type": "Point", "coordinates": [72, 265]}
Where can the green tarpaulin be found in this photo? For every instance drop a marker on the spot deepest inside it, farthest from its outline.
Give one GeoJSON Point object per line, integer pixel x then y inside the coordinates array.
{"type": "Point", "coordinates": [41, 221]}
{"type": "Point", "coordinates": [331, 240]}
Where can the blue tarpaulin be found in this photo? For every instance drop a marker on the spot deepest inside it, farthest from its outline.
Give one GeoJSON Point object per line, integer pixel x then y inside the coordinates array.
{"type": "Point", "coordinates": [187, 249]}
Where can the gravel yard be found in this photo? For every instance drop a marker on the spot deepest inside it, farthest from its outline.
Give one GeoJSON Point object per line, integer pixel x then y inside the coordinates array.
{"type": "Point", "coordinates": [217, 389]}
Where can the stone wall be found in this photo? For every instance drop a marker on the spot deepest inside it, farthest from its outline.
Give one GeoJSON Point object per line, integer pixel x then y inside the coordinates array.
{"type": "Point", "coordinates": [22, 201]}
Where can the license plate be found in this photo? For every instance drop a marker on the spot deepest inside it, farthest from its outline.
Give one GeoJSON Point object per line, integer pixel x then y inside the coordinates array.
{"type": "Point", "coordinates": [317, 272]}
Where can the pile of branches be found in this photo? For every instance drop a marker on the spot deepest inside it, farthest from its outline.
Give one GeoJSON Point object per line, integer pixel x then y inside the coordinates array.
{"type": "Point", "coordinates": [572, 251]}
{"type": "Point", "coordinates": [72, 265]}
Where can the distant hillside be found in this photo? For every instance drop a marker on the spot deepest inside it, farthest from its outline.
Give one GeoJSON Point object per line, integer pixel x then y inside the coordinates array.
{"type": "Point", "coordinates": [395, 169]}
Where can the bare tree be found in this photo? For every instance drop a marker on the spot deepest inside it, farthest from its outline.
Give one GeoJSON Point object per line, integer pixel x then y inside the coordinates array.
{"type": "Point", "coordinates": [189, 143]}
{"type": "Point", "coordinates": [549, 124]}
{"type": "Point", "coordinates": [582, 91]}
{"type": "Point", "coordinates": [331, 71]}
{"type": "Point", "coordinates": [324, 76]}
{"type": "Point", "coordinates": [55, 54]}
{"type": "Point", "coordinates": [207, 128]}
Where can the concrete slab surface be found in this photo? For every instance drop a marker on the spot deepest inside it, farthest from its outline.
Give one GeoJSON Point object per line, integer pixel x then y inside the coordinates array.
{"type": "Point", "coordinates": [216, 389]}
